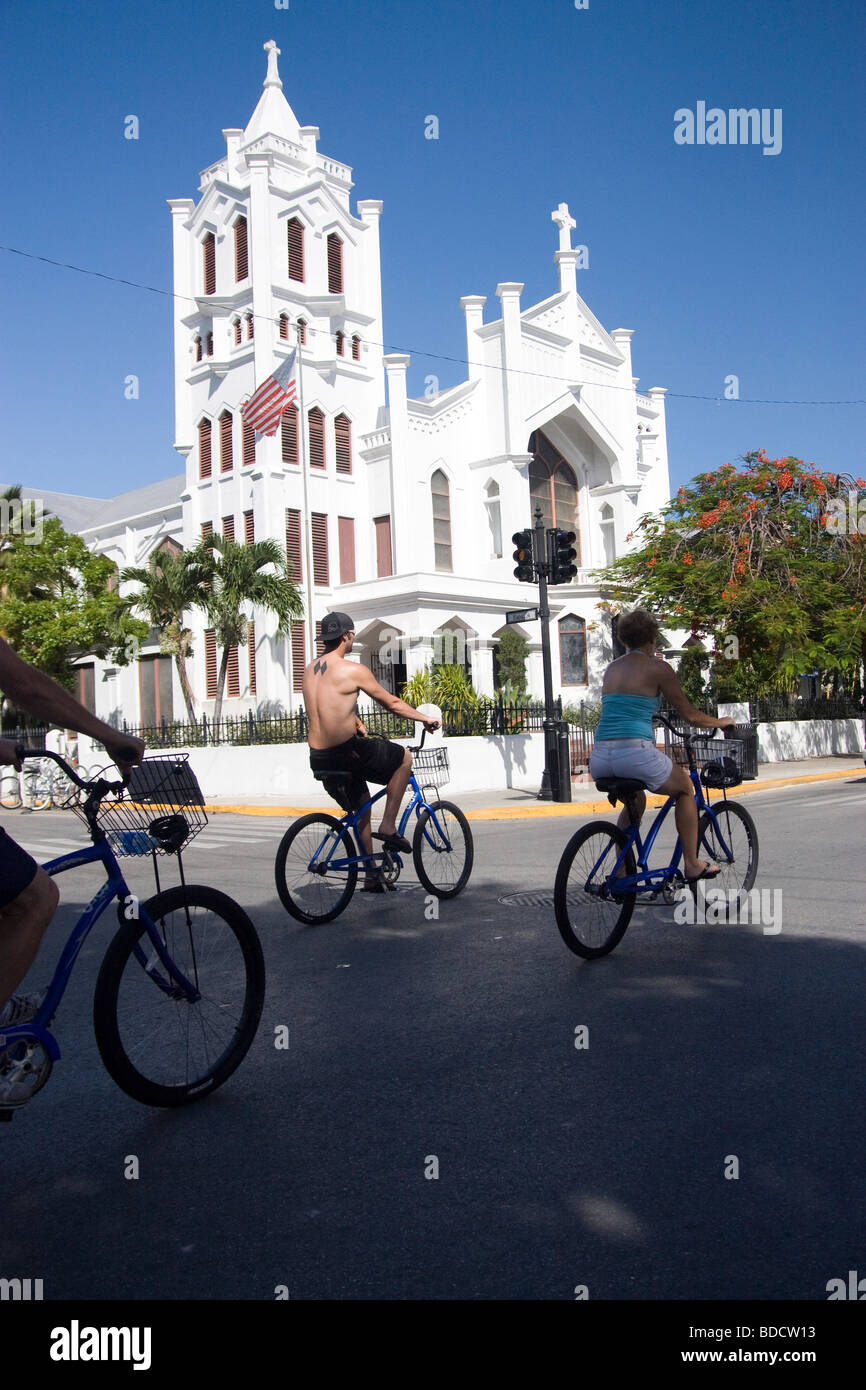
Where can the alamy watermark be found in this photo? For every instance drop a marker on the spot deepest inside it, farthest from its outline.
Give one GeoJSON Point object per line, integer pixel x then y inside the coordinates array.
{"type": "Point", "coordinates": [759, 907]}
{"type": "Point", "coordinates": [846, 516]}
{"type": "Point", "coordinates": [22, 516]}
{"type": "Point", "coordinates": [736, 126]}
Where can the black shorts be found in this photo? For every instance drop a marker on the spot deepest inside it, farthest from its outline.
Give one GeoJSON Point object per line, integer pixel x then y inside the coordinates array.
{"type": "Point", "coordinates": [375, 758]}
{"type": "Point", "coordinates": [17, 869]}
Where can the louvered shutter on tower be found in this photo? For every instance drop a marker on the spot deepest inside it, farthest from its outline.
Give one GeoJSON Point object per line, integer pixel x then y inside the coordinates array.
{"type": "Point", "coordinates": [343, 438]}
{"type": "Point", "coordinates": [346, 536]}
{"type": "Point", "coordinates": [228, 528]}
{"type": "Point", "coordinates": [251, 655]}
{"type": "Point", "coordinates": [226, 456]}
{"type": "Point", "coordinates": [249, 448]}
{"type": "Point", "coordinates": [210, 664]}
{"type": "Point", "coordinates": [335, 264]}
{"type": "Point", "coordinates": [383, 545]}
{"type": "Point", "coordinates": [241, 253]}
{"type": "Point", "coordinates": [294, 546]}
{"type": "Point", "coordinates": [204, 454]}
{"type": "Point", "coordinates": [289, 434]}
{"type": "Point", "coordinates": [299, 654]}
{"type": "Point", "coordinates": [208, 247]}
{"type": "Point", "coordinates": [233, 678]}
{"type": "Point", "coordinates": [296, 249]}
{"type": "Point", "coordinates": [319, 527]}
{"type": "Point", "coordinates": [249, 528]}
{"type": "Point", "coordinates": [317, 438]}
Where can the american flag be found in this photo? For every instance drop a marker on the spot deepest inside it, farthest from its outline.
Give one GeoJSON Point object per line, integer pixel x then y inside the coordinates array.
{"type": "Point", "coordinates": [265, 406]}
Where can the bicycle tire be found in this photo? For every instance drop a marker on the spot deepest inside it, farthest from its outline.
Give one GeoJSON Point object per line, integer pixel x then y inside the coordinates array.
{"type": "Point", "coordinates": [310, 897]}
{"type": "Point", "coordinates": [39, 789]}
{"type": "Point", "coordinates": [128, 1005]}
{"type": "Point", "coordinates": [573, 906]}
{"type": "Point", "coordinates": [10, 792]}
{"type": "Point", "coordinates": [433, 836]}
{"type": "Point", "coordinates": [709, 847]}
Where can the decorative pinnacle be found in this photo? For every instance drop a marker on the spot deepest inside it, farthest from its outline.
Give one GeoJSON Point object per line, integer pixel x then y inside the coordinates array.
{"type": "Point", "coordinates": [273, 77]}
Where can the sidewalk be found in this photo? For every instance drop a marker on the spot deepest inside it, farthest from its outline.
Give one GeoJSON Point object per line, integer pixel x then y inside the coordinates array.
{"type": "Point", "coordinates": [521, 803]}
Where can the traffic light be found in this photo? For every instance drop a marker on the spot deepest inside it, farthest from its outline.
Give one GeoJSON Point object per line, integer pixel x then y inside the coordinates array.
{"type": "Point", "coordinates": [525, 570]}
{"type": "Point", "coordinates": [561, 555]}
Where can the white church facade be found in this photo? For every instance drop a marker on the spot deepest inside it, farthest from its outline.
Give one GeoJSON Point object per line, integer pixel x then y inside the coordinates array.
{"type": "Point", "coordinates": [398, 511]}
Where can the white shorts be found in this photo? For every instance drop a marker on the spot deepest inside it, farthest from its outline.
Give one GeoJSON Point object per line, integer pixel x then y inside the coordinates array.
{"type": "Point", "coordinates": [630, 757]}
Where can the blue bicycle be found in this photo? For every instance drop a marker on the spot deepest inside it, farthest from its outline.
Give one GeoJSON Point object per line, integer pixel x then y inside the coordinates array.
{"type": "Point", "coordinates": [181, 987]}
{"type": "Point", "coordinates": [599, 876]}
{"type": "Point", "coordinates": [317, 864]}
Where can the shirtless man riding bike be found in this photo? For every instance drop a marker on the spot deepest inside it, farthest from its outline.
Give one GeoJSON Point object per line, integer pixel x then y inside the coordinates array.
{"type": "Point", "coordinates": [338, 740]}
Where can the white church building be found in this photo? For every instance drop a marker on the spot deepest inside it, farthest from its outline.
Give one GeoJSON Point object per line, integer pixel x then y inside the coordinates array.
{"type": "Point", "coordinates": [398, 511]}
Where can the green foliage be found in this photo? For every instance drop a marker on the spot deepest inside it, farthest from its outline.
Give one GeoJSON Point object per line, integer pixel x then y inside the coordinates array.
{"type": "Point", "coordinates": [589, 717]}
{"type": "Point", "coordinates": [56, 605]}
{"type": "Point", "coordinates": [418, 689]}
{"type": "Point", "coordinates": [169, 586]}
{"type": "Point", "coordinates": [513, 651]}
{"type": "Point", "coordinates": [746, 554]}
{"type": "Point", "coordinates": [451, 686]}
{"type": "Point", "coordinates": [693, 664]}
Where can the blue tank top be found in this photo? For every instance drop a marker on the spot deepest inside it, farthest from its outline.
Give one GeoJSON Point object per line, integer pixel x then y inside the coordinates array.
{"type": "Point", "coordinates": [627, 716]}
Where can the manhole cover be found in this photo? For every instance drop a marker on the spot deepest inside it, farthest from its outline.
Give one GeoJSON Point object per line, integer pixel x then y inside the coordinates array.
{"type": "Point", "coordinates": [527, 900]}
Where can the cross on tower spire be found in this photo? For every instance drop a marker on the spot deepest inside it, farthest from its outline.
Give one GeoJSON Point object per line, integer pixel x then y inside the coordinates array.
{"type": "Point", "coordinates": [565, 222]}
{"type": "Point", "coordinates": [273, 77]}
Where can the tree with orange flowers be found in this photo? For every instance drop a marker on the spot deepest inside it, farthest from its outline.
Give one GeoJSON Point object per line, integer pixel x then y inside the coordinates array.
{"type": "Point", "coordinates": [768, 560]}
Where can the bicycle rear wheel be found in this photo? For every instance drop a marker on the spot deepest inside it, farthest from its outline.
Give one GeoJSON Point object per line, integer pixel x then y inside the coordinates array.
{"type": "Point", "coordinates": [309, 890]}
{"type": "Point", "coordinates": [443, 851]}
{"type": "Point", "coordinates": [161, 1047]}
{"type": "Point", "coordinates": [590, 919]}
{"type": "Point", "coordinates": [37, 787]}
{"type": "Point", "coordinates": [732, 844]}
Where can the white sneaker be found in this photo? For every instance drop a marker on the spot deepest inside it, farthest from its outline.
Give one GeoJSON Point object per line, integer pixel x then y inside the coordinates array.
{"type": "Point", "coordinates": [21, 1008]}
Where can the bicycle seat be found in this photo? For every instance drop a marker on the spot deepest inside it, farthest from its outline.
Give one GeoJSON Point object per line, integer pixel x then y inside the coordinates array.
{"type": "Point", "coordinates": [338, 774]}
{"type": "Point", "coordinates": [620, 786]}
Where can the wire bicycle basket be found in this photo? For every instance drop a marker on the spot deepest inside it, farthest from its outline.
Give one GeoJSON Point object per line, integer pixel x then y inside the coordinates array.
{"type": "Point", "coordinates": [723, 762]}
{"type": "Point", "coordinates": [431, 767]}
{"type": "Point", "coordinates": [159, 812]}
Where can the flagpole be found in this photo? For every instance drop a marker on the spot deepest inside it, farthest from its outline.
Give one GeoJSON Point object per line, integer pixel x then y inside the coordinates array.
{"type": "Point", "coordinates": [302, 441]}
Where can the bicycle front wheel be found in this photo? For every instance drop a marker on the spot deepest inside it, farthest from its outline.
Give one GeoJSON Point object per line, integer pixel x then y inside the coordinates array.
{"type": "Point", "coordinates": [591, 916]}
{"type": "Point", "coordinates": [442, 849]}
{"type": "Point", "coordinates": [310, 890]}
{"type": "Point", "coordinates": [37, 789]}
{"type": "Point", "coordinates": [732, 843]}
{"type": "Point", "coordinates": [161, 1047]}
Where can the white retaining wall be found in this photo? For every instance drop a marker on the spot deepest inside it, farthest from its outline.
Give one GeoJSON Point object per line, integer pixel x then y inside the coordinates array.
{"type": "Point", "coordinates": [512, 760]}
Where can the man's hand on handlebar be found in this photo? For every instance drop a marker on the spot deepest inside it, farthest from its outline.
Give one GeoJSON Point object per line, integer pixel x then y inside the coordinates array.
{"type": "Point", "coordinates": [727, 723]}
{"type": "Point", "coordinates": [10, 753]}
{"type": "Point", "coordinates": [430, 725]}
{"type": "Point", "coordinates": [125, 752]}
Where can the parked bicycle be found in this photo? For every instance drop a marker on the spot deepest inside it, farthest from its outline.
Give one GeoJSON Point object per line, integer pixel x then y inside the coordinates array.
{"type": "Point", "coordinates": [317, 864]}
{"type": "Point", "coordinates": [41, 786]}
{"type": "Point", "coordinates": [180, 990]}
{"type": "Point", "coordinates": [603, 868]}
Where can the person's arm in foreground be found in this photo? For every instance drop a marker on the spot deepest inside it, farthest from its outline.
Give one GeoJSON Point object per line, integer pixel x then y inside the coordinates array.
{"type": "Point", "coordinates": [670, 687]}
{"type": "Point", "coordinates": [368, 683]}
{"type": "Point", "coordinates": [38, 694]}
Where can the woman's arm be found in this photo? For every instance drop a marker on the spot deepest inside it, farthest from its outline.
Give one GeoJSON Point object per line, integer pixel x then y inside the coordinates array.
{"type": "Point", "coordinates": [672, 690]}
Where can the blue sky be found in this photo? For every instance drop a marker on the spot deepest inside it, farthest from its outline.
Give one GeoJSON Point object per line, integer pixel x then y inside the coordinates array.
{"type": "Point", "coordinates": [722, 259]}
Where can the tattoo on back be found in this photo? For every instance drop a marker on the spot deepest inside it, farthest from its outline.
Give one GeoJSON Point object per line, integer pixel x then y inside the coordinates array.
{"type": "Point", "coordinates": [320, 668]}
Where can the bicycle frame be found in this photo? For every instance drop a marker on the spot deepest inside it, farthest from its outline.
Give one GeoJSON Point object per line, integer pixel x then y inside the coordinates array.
{"type": "Point", "coordinates": [350, 821]}
{"type": "Point", "coordinates": [115, 886]}
{"type": "Point", "coordinates": [654, 879]}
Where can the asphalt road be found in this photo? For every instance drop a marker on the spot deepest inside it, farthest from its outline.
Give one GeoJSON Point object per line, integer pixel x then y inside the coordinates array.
{"type": "Point", "coordinates": [413, 1039]}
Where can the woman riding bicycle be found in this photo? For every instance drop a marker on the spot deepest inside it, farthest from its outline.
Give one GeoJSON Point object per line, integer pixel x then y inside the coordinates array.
{"type": "Point", "coordinates": [632, 692]}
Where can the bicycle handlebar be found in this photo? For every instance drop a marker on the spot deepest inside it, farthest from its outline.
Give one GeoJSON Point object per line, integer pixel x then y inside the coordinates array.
{"type": "Point", "coordinates": [98, 782]}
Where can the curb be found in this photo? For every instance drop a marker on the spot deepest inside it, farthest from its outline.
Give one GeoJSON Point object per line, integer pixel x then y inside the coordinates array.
{"type": "Point", "coordinates": [532, 812]}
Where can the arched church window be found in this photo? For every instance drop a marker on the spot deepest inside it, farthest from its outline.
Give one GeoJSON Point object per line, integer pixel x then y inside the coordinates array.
{"type": "Point", "coordinates": [441, 495]}
{"type": "Point", "coordinates": [572, 650]}
{"type": "Point", "coordinates": [208, 345]}
{"type": "Point", "coordinates": [236, 329]}
{"type": "Point", "coordinates": [335, 264]}
{"type": "Point", "coordinates": [284, 326]}
{"type": "Point", "coordinates": [356, 348]}
{"type": "Point", "coordinates": [295, 229]}
{"type": "Point", "coordinates": [553, 488]}
{"type": "Point", "coordinates": [302, 332]}
{"type": "Point", "coordinates": [248, 319]}
{"type": "Point", "coordinates": [197, 345]}
{"type": "Point", "coordinates": [341, 343]}
{"type": "Point", "coordinates": [494, 518]}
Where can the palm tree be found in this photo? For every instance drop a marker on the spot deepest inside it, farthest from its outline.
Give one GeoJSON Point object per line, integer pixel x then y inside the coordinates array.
{"type": "Point", "coordinates": [170, 585]}
{"type": "Point", "coordinates": [236, 577]}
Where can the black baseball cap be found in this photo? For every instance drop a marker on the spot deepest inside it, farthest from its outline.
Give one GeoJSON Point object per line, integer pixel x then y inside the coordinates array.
{"type": "Point", "coordinates": [335, 624]}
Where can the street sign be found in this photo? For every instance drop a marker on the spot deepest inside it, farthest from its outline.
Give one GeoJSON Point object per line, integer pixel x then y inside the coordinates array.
{"type": "Point", "coordinates": [522, 615]}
